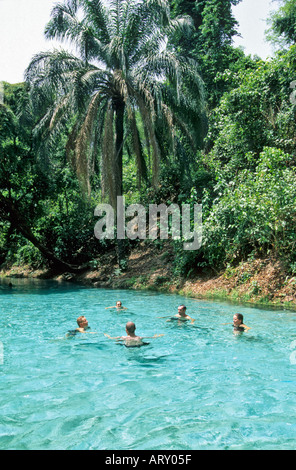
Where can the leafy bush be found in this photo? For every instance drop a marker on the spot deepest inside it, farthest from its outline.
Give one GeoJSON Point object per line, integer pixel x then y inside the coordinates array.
{"type": "Point", "coordinates": [256, 213]}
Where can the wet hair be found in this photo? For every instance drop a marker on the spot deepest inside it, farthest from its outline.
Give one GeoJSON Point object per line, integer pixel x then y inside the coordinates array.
{"type": "Point", "coordinates": [81, 319]}
{"type": "Point", "coordinates": [183, 306]}
{"type": "Point", "coordinates": [239, 317]}
{"type": "Point", "coordinates": [130, 326]}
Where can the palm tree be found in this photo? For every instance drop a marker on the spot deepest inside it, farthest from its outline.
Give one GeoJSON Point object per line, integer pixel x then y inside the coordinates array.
{"type": "Point", "coordinates": [123, 76]}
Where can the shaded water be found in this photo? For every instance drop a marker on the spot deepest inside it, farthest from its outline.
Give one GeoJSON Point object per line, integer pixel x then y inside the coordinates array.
{"type": "Point", "coordinates": [197, 387]}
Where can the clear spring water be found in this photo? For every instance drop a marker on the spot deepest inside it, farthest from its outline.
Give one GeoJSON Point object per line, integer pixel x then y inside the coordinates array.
{"type": "Point", "coordinates": [197, 387]}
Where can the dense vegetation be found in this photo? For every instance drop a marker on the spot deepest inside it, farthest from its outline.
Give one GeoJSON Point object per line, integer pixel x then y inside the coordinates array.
{"type": "Point", "coordinates": [156, 105]}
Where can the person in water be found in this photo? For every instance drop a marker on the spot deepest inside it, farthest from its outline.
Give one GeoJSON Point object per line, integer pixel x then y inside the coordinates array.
{"type": "Point", "coordinates": [132, 340]}
{"type": "Point", "coordinates": [82, 326]}
{"type": "Point", "coordinates": [118, 306]}
{"type": "Point", "coordinates": [182, 315]}
{"type": "Point", "coordinates": [238, 323]}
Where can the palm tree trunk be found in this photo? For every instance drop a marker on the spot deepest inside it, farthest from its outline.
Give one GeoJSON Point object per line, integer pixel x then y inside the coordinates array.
{"type": "Point", "coordinates": [119, 128]}
{"type": "Point", "coordinates": [122, 245]}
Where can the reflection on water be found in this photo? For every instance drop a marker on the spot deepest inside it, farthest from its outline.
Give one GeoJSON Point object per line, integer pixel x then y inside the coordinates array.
{"type": "Point", "coordinates": [147, 361]}
{"type": "Point", "coordinates": [197, 387]}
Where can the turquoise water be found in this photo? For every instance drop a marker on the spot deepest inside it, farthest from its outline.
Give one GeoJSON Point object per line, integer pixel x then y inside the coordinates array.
{"type": "Point", "coordinates": [197, 387]}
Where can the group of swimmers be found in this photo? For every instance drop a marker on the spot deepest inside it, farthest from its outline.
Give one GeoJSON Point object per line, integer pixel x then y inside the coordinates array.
{"type": "Point", "coordinates": [132, 340]}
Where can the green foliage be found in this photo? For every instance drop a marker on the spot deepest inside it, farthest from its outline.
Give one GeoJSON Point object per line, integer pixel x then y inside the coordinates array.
{"type": "Point", "coordinates": [26, 254]}
{"type": "Point", "coordinates": [215, 27]}
{"type": "Point", "coordinates": [126, 76]}
{"type": "Point", "coordinates": [146, 107]}
{"type": "Point", "coordinates": [255, 214]}
{"type": "Point", "coordinates": [256, 113]}
{"type": "Point", "coordinates": [282, 22]}
{"type": "Point", "coordinates": [67, 222]}
{"type": "Point", "coordinates": [48, 199]}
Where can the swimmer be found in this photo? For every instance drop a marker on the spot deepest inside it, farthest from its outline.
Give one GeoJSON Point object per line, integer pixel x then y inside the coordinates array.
{"type": "Point", "coordinates": [118, 306]}
{"type": "Point", "coordinates": [82, 324]}
{"type": "Point", "coordinates": [238, 324]}
{"type": "Point", "coordinates": [131, 340]}
{"type": "Point", "coordinates": [82, 327]}
{"type": "Point", "coordinates": [181, 315]}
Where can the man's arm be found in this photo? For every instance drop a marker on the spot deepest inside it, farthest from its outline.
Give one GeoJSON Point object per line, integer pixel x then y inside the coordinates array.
{"type": "Point", "coordinates": [114, 337]}
{"type": "Point", "coordinates": [82, 330]}
{"type": "Point", "coordinates": [150, 337]}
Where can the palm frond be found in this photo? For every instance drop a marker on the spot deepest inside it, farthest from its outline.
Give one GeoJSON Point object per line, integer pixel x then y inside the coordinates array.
{"type": "Point", "coordinates": [152, 140]}
{"type": "Point", "coordinates": [123, 73]}
{"type": "Point", "coordinates": [83, 144]}
{"type": "Point", "coordinates": [98, 18]}
{"type": "Point", "coordinates": [64, 23]}
{"type": "Point", "coordinates": [138, 150]}
{"type": "Point", "coordinates": [59, 110]}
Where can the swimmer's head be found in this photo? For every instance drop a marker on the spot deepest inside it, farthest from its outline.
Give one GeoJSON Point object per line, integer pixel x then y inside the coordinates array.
{"type": "Point", "coordinates": [118, 303]}
{"type": "Point", "coordinates": [82, 321]}
{"type": "Point", "coordinates": [130, 327]}
{"type": "Point", "coordinates": [181, 309]}
{"type": "Point", "coordinates": [238, 318]}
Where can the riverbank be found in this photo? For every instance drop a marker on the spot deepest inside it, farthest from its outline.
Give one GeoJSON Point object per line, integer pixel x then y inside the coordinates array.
{"type": "Point", "coordinates": [260, 281]}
